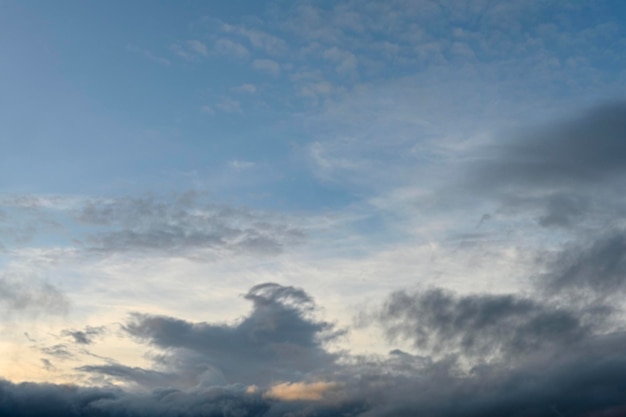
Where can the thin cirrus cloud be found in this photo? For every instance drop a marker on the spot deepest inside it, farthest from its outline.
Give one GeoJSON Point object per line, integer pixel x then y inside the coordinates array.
{"type": "Point", "coordinates": [181, 226]}
{"type": "Point", "coordinates": [267, 65]}
{"type": "Point", "coordinates": [23, 295]}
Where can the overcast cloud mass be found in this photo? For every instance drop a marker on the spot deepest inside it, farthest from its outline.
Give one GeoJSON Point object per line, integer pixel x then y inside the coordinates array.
{"type": "Point", "coordinates": [349, 208]}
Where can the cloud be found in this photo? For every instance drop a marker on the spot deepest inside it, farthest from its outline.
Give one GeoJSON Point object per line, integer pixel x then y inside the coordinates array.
{"type": "Point", "coordinates": [563, 210]}
{"type": "Point", "coordinates": [274, 362]}
{"type": "Point", "coordinates": [181, 225]}
{"type": "Point", "coordinates": [259, 39]}
{"type": "Point", "coordinates": [149, 55]}
{"type": "Point", "coordinates": [190, 50]}
{"type": "Point", "coordinates": [232, 48]}
{"type": "Point", "coordinates": [586, 150]}
{"type": "Point", "coordinates": [86, 336]}
{"type": "Point", "coordinates": [346, 61]}
{"type": "Point", "coordinates": [24, 217]}
{"type": "Point", "coordinates": [595, 264]}
{"type": "Point", "coordinates": [62, 400]}
{"type": "Point", "coordinates": [208, 110]}
{"type": "Point", "coordinates": [229, 105]}
{"type": "Point", "coordinates": [565, 174]}
{"type": "Point", "coordinates": [581, 382]}
{"type": "Point", "coordinates": [242, 165]}
{"type": "Point", "coordinates": [145, 379]}
{"type": "Point", "coordinates": [485, 326]}
{"type": "Point", "coordinates": [267, 65]}
{"type": "Point", "coordinates": [59, 351]}
{"type": "Point", "coordinates": [30, 297]}
{"type": "Point", "coordinates": [198, 47]}
{"type": "Point", "coordinates": [300, 391]}
{"type": "Point", "coordinates": [279, 340]}
{"type": "Point", "coordinates": [245, 89]}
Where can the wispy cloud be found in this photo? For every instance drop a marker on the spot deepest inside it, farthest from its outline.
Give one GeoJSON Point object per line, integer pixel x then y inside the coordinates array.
{"type": "Point", "coordinates": [267, 65]}
{"type": "Point", "coordinates": [179, 226]}
{"type": "Point", "coordinates": [246, 89]}
{"type": "Point", "coordinates": [229, 47]}
{"type": "Point", "coordinates": [149, 55]}
{"type": "Point", "coordinates": [190, 50]}
{"type": "Point", "coordinates": [258, 39]}
{"type": "Point", "coordinates": [23, 295]}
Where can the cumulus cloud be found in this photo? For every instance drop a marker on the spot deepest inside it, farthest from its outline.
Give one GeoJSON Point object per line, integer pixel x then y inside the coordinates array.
{"type": "Point", "coordinates": [279, 340]}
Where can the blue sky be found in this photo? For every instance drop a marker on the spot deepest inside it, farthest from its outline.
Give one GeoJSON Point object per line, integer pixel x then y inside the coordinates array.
{"type": "Point", "coordinates": [273, 198]}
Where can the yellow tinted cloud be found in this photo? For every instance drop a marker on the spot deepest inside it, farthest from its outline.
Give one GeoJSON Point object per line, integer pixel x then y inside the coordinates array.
{"type": "Point", "coordinates": [300, 391]}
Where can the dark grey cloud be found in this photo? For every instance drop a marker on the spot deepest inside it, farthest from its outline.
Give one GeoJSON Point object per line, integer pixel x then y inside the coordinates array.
{"type": "Point", "coordinates": [279, 340]}
{"type": "Point", "coordinates": [557, 361]}
{"type": "Point", "coordinates": [139, 377]}
{"type": "Point", "coordinates": [19, 295]}
{"type": "Point", "coordinates": [560, 174]}
{"type": "Point", "coordinates": [587, 380]}
{"type": "Point", "coordinates": [181, 225]}
{"type": "Point", "coordinates": [60, 351]}
{"type": "Point", "coordinates": [66, 401]}
{"type": "Point", "coordinates": [47, 364]}
{"type": "Point", "coordinates": [563, 210]}
{"type": "Point", "coordinates": [440, 322]}
{"type": "Point", "coordinates": [578, 385]}
{"type": "Point", "coordinates": [85, 336]}
{"type": "Point", "coordinates": [584, 150]}
{"type": "Point", "coordinates": [596, 265]}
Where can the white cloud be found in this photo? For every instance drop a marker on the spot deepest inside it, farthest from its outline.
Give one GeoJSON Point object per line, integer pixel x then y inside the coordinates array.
{"type": "Point", "coordinates": [317, 89]}
{"type": "Point", "coordinates": [149, 55]}
{"type": "Point", "coordinates": [241, 165]}
{"type": "Point", "coordinates": [190, 50]}
{"type": "Point", "coordinates": [260, 40]}
{"type": "Point", "coordinates": [228, 47]}
{"type": "Point", "coordinates": [198, 47]}
{"type": "Point", "coordinates": [229, 105]}
{"type": "Point", "coordinates": [267, 65]}
{"type": "Point", "coordinates": [346, 61]}
{"type": "Point", "coordinates": [246, 89]}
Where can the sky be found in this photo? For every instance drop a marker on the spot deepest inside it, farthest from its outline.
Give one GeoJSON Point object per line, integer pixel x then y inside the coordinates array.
{"type": "Point", "coordinates": [313, 208]}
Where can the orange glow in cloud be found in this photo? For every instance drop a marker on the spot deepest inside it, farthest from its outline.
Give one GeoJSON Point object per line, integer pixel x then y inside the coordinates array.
{"type": "Point", "coordinates": [300, 391]}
